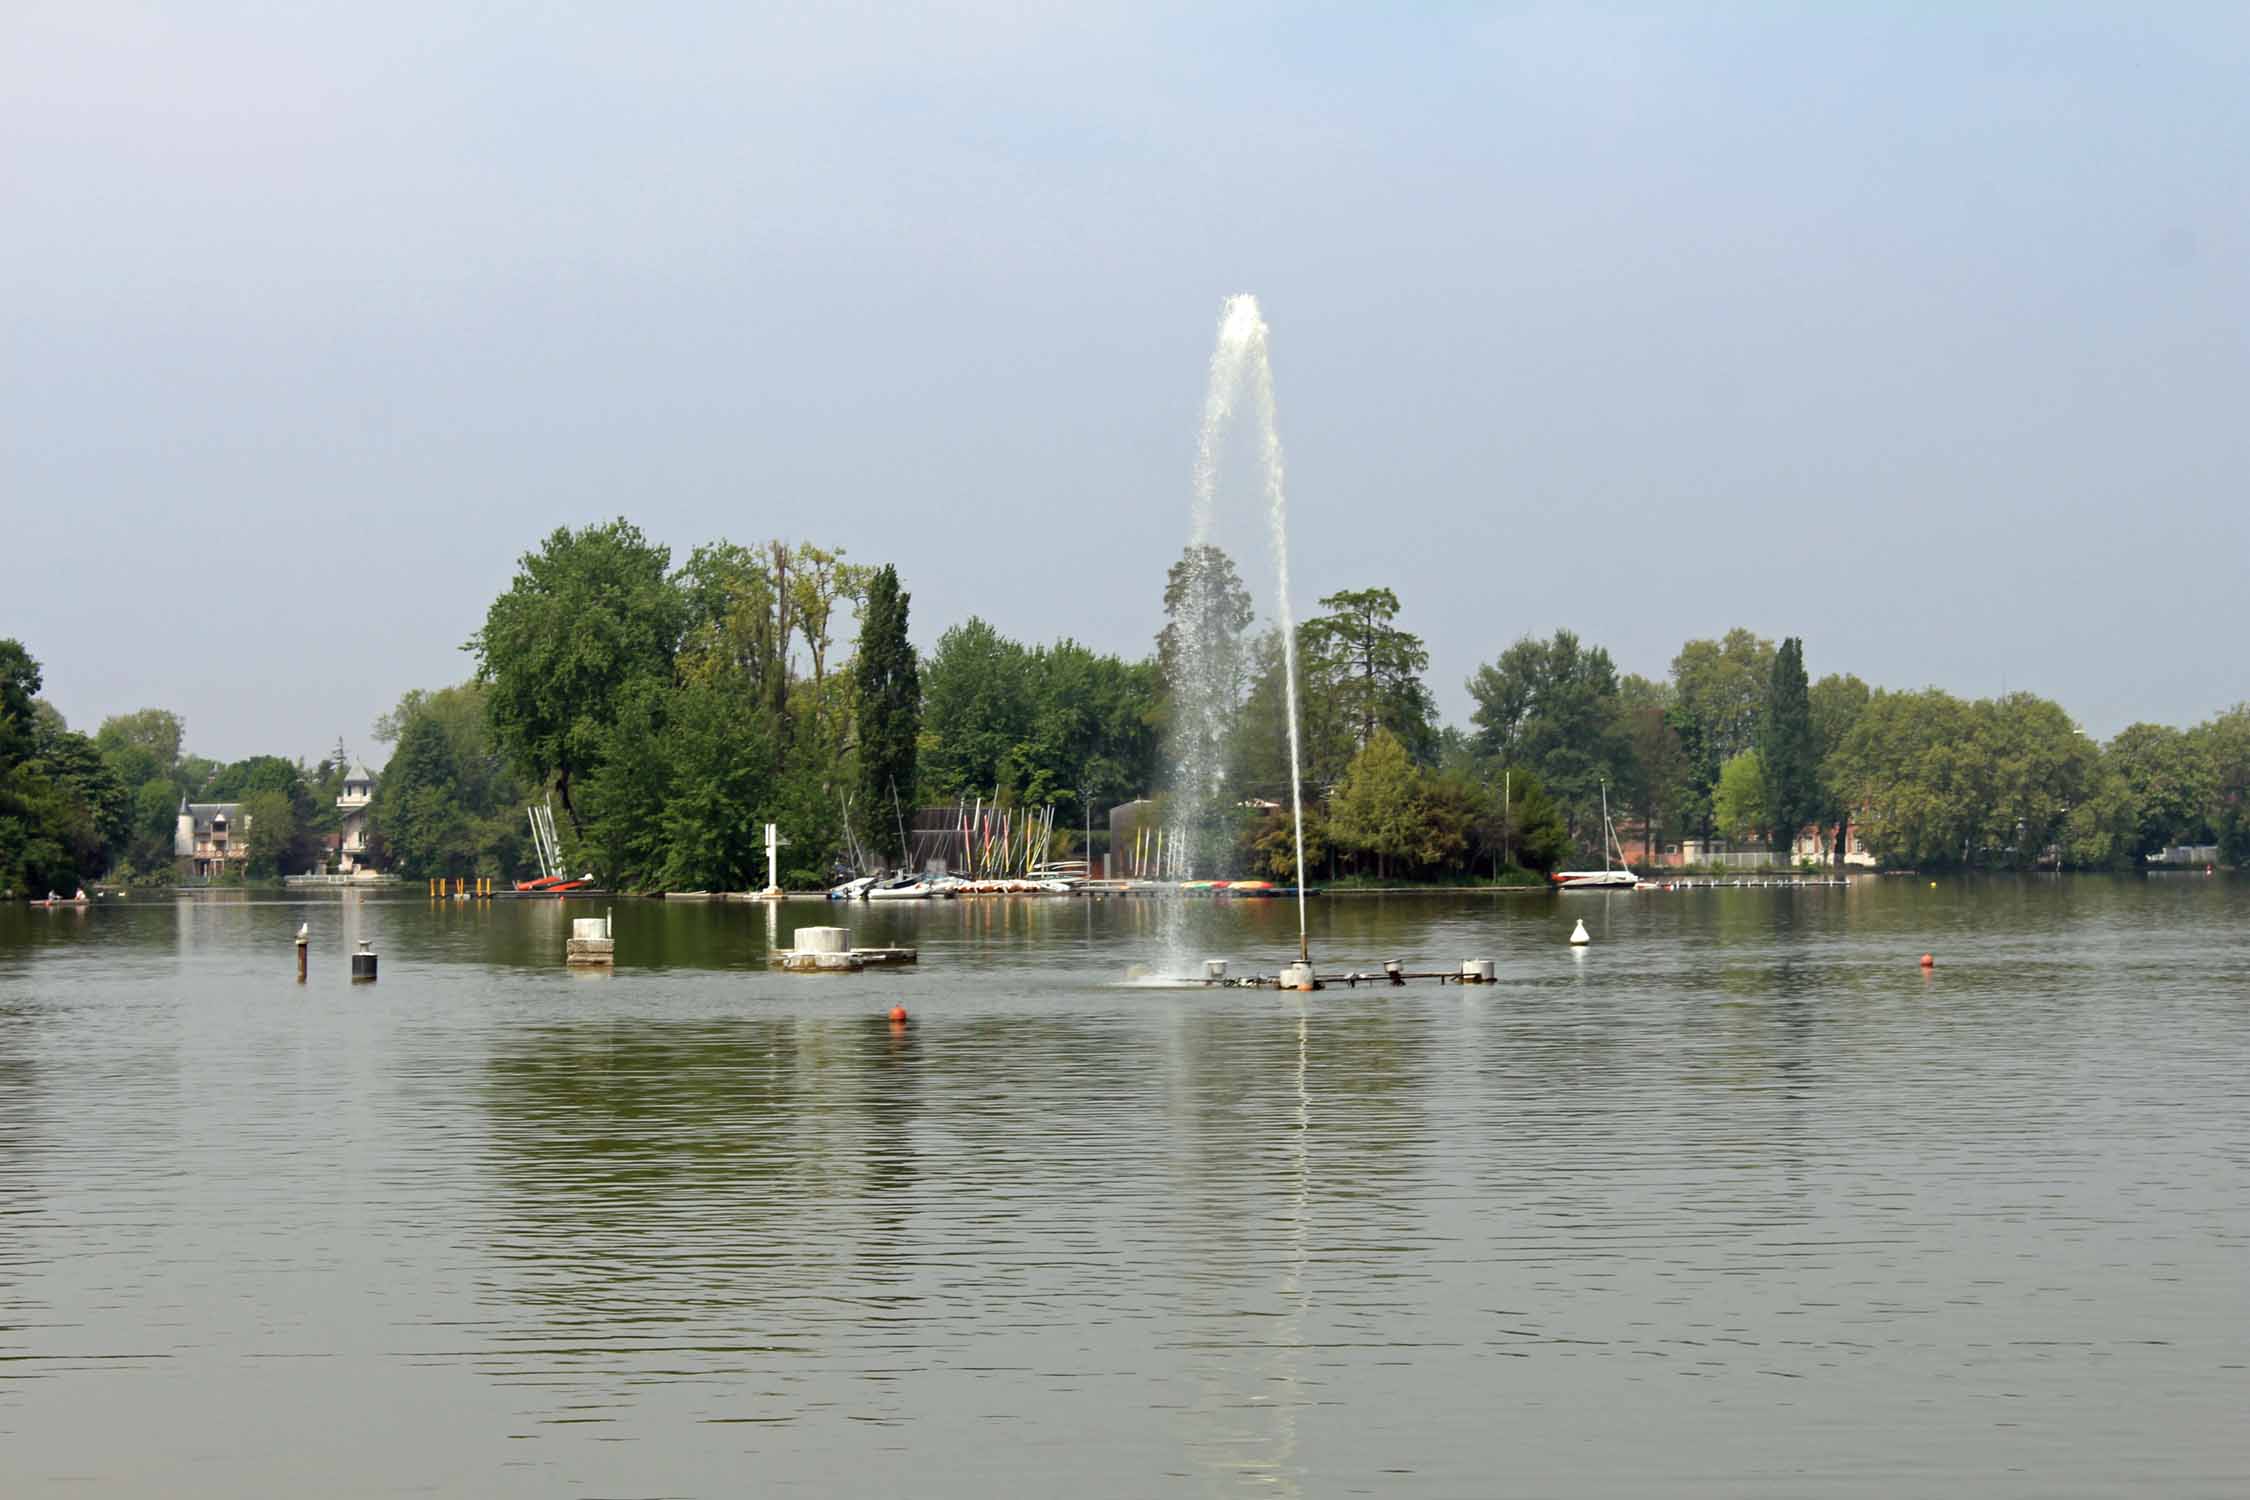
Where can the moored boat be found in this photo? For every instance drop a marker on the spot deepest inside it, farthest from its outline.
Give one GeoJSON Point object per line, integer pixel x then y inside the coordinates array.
{"type": "Point", "coordinates": [1606, 878]}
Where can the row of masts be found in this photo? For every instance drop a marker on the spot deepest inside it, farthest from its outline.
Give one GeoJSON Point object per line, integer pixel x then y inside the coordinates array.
{"type": "Point", "coordinates": [1155, 855]}
{"type": "Point", "coordinates": [544, 844]}
{"type": "Point", "coordinates": [980, 841]}
{"type": "Point", "coordinates": [1002, 843]}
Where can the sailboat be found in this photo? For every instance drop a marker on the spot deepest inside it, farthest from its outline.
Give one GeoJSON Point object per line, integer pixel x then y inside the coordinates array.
{"type": "Point", "coordinates": [1605, 878]}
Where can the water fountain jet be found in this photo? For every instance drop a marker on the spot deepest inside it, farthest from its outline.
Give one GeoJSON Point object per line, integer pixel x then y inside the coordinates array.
{"type": "Point", "coordinates": [1241, 376]}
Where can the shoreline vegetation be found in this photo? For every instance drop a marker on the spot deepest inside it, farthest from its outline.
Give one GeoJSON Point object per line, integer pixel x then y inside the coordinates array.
{"type": "Point", "coordinates": [1778, 876]}
{"type": "Point", "coordinates": [670, 712]}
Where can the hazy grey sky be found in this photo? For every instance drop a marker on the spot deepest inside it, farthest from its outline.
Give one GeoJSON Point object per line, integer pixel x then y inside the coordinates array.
{"type": "Point", "coordinates": [1918, 331]}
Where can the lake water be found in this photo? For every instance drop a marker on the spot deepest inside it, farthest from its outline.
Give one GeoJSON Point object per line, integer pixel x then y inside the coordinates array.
{"type": "Point", "coordinates": [1739, 1201]}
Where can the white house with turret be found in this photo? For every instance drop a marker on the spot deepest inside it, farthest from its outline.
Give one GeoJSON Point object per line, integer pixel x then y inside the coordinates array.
{"type": "Point", "coordinates": [351, 843]}
{"type": "Point", "coordinates": [210, 838]}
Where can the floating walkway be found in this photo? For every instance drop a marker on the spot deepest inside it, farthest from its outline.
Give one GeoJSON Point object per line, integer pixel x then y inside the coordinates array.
{"type": "Point", "coordinates": [1688, 883]}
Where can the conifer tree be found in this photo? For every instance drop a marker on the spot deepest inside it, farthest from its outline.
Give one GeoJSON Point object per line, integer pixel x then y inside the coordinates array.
{"type": "Point", "coordinates": [888, 688]}
{"type": "Point", "coordinates": [1788, 753]}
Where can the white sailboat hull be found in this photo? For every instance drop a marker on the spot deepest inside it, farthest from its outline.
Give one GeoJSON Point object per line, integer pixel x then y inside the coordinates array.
{"type": "Point", "coordinates": [1605, 878]}
{"type": "Point", "coordinates": [1595, 880]}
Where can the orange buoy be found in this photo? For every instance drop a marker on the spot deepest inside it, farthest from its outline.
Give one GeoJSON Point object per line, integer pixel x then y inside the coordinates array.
{"type": "Point", "coordinates": [898, 1013]}
{"type": "Point", "coordinates": [1928, 962]}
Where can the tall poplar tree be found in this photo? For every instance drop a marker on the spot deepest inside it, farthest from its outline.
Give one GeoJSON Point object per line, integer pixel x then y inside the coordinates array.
{"type": "Point", "coordinates": [888, 687]}
{"type": "Point", "coordinates": [1788, 751]}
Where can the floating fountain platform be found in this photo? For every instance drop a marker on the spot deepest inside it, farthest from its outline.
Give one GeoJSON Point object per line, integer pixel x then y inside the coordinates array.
{"type": "Point", "coordinates": [1302, 976]}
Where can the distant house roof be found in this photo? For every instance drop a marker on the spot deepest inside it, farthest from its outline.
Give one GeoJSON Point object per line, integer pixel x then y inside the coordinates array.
{"type": "Point", "coordinates": [205, 813]}
{"type": "Point", "coordinates": [359, 772]}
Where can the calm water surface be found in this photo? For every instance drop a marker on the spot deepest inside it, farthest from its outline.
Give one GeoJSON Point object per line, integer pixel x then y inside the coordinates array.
{"type": "Point", "coordinates": [1738, 1202]}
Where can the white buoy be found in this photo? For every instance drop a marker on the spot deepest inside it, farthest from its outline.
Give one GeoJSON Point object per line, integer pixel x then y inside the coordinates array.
{"type": "Point", "coordinates": [1579, 934]}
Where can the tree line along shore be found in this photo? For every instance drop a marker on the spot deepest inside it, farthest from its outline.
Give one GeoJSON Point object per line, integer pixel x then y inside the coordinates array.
{"type": "Point", "coordinates": [671, 711]}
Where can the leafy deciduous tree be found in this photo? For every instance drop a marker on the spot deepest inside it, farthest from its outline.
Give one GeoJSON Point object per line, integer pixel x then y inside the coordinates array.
{"type": "Point", "coordinates": [589, 613]}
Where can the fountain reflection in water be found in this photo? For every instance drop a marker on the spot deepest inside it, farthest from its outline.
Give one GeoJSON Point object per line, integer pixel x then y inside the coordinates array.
{"type": "Point", "coordinates": [1204, 697]}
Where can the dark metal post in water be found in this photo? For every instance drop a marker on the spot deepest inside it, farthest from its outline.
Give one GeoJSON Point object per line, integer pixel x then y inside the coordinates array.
{"type": "Point", "coordinates": [363, 963]}
{"type": "Point", "coordinates": [302, 947]}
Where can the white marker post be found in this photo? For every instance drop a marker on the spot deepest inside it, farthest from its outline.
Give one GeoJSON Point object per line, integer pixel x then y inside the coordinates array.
{"type": "Point", "coordinates": [774, 845]}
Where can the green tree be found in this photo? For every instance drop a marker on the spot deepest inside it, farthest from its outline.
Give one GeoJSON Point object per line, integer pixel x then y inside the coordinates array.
{"type": "Point", "coordinates": [1090, 725]}
{"type": "Point", "coordinates": [1377, 807]}
{"type": "Point", "coordinates": [20, 680]}
{"type": "Point", "coordinates": [588, 614]}
{"type": "Point", "coordinates": [1657, 779]}
{"type": "Point", "coordinates": [418, 806]}
{"type": "Point", "coordinates": [1257, 751]}
{"type": "Point", "coordinates": [1722, 688]}
{"type": "Point", "coordinates": [1207, 615]}
{"type": "Point", "coordinates": [1534, 834]}
{"type": "Point", "coordinates": [155, 819]}
{"type": "Point", "coordinates": [1739, 806]}
{"type": "Point", "coordinates": [1271, 844]}
{"type": "Point", "coordinates": [2172, 784]}
{"type": "Point", "coordinates": [2224, 742]}
{"type": "Point", "coordinates": [447, 802]}
{"type": "Point", "coordinates": [1939, 781]}
{"type": "Point", "coordinates": [720, 774]}
{"type": "Point", "coordinates": [270, 821]}
{"type": "Point", "coordinates": [1552, 707]}
{"type": "Point", "coordinates": [64, 815]}
{"type": "Point", "coordinates": [819, 581]}
{"type": "Point", "coordinates": [142, 746]}
{"type": "Point", "coordinates": [1837, 702]}
{"type": "Point", "coordinates": [1373, 669]}
{"type": "Point", "coordinates": [977, 708]}
{"type": "Point", "coordinates": [2037, 767]}
{"type": "Point", "coordinates": [887, 692]}
{"type": "Point", "coordinates": [626, 841]}
{"type": "Point", "coordinates": [1788, 749]}
{"type": "Point", "coordinates": [1910, 767]}
{"type": "Point", "coordinates": [2100, 830]}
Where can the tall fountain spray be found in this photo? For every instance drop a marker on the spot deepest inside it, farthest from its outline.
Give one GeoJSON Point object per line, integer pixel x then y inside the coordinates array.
{"type": "Point", "coordinates": [1241, 383]}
